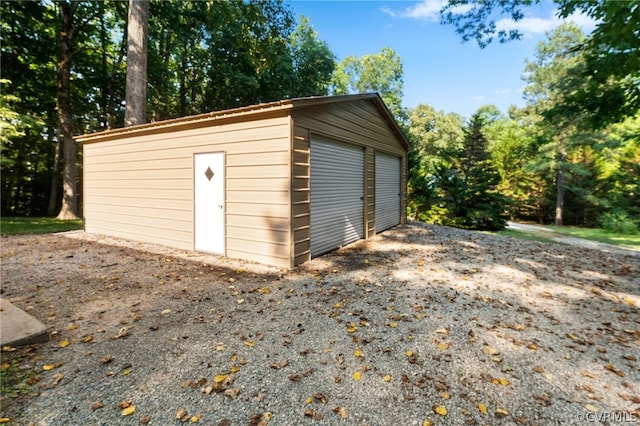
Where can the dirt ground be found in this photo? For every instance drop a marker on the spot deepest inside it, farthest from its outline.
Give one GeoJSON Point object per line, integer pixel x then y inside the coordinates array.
{"type": "Point", "coordinates": [441, 325]}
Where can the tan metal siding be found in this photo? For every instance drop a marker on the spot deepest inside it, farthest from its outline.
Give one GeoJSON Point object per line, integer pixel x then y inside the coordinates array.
{"type": "Point", "coordinates": [141, 186]}
{"type": "Point", "coordinates": [358, 122]}
{"type": "Point", "coordinates": [300, 187]}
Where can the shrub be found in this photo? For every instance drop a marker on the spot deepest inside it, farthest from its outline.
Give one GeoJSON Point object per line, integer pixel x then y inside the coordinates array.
{"type": "Point", "coordinates": [618, 221]}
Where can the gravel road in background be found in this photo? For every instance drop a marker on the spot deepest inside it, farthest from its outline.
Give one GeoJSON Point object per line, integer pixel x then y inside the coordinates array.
{"type": "Point", "coordinates": [419, 324]}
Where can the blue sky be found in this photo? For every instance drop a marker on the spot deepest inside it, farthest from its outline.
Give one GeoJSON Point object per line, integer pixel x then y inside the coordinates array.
{"type": "Point", "coordinates": [439, 70]}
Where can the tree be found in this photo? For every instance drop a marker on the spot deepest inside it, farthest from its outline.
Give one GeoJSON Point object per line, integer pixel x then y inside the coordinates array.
{"type": "Point", "coordinates": [313, 61]}
{"type": "Point", "coordinates": [69, 209]}
{"type": "Point", "coordinates": [380, 72]}
{"type": "Point", "coordinates": [136, 92]}
{"type": "Point", "coordinates": [611, 69]}
{"type": "Point", "coordinates": [467, 191]}
{"type": "Point", "coordinates": [547, 77]}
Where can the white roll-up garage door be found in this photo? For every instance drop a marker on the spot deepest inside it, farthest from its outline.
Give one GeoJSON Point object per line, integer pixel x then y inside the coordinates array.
{"type": "Point", "coordinates": [337, 195]}
{"type": "Point", "coordinates": [387, 191]}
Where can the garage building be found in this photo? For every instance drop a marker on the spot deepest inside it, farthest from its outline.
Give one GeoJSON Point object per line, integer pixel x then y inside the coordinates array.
{"type": "Point", "coordinates": [276, 183]}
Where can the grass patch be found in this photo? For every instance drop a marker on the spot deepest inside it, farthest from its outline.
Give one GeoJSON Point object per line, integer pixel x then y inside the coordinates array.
{"type": "Point", "coordinates": [37, 225]}
{"type": "Point", "coordinates": [600, 235]}
{"type": "Point", "coordinates": [523, 235]}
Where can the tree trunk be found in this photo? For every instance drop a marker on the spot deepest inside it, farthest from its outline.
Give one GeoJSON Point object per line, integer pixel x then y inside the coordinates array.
{"type": "Point", "coordinates": [136, 90]}
{"type": "Point", "coordinates": [560, 188]}
{"type": "Point", "coordinates": [69, 197]}
{"type": "Point", "coordinates": [53, 194]}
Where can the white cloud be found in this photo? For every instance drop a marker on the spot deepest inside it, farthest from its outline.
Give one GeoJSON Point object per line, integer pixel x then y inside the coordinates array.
{"type": "Point", "coordinates": [532, 26]}
{"type": "Point", "coordinates": [503, 92]}
{"type": "Point", "coordinates": [425, 10]}
{"type": "Point", "coordinates": [429, 10]}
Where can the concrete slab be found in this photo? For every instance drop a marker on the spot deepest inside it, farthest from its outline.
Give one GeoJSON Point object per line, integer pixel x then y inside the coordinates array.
{"type": "Point", "coordinates": [17, 328]}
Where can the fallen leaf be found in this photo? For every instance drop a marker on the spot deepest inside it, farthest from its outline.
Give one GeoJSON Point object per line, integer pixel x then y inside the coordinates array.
{"type": "Point", "coordinates": [181, 413]}
{"type": "Point", "coordinates": [427, 423]}
{"type": "Point", "coordinates": [219, 378]}
{"type": "Point", "coordinates": [442, 331]}
{"type": "Point", "coordinates": [501, 412]}
{"type": "Point", "coordinates": [443, 346]}
{"type": "Point", "coordinates": [97, 405]}
{"type": "Point", "coordinates": [341, 411]}
{"type": "Point", "coordinates": [591, 408]}
{"type": "Point", "coordinates": [440, 410]}
{"type": "Point", "coordinates": [57, 379]}
{"type": "Point", "coordinates": [249, 343]}
{"type": "Point", "coordinates": [490, 350]}
{"type": "Point", "coordinates": [320, 397]}
{"type": "Point", "coordinates": [357, 376]}
{"type": "Point", "coordinates": [145, 420]}
{"type": "Point", "coordinates": [387, 378]}
{"type": "Point", "coordinates": [128, 411]}
{"type": "Point", "coordinates": [358, 353]}
{"type": "Point", "coordinates": [233, 393]}
{"type": "Point", "coordinates": [615, 370]}
{"type": "Point", "coordinates": [64, 343]}
{"type": "Point", "coordinates": [165, 311]}
{"type": "Point", "coordinates": [482, 408]}
{"type": "Point", "coordinates": [538, 369]}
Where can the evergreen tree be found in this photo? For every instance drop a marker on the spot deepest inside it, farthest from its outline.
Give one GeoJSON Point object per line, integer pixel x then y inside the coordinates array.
{"type": "Point", "coordinates": [468, 195]}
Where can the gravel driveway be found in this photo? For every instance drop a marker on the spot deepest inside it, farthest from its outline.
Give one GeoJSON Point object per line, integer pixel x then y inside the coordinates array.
{"type": "Point", "coordinates": [420, 325]}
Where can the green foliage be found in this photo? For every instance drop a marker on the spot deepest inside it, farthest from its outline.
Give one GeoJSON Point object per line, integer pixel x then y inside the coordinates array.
{"type": "Point", "coordinates": [37, 225]}
{"type": "Point", "coordinates": [380, 72]}
{"type": "Point", "coordinates": [461, 188]}
{"type": "Point", "coordinates": [609, 77]}
{"type": "Point", "coordinates": [620, 222]}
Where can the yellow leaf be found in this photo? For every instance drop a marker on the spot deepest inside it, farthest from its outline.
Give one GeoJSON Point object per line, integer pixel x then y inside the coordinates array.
{"type": "Point", "coordinates": [87, 339]}
{"type": "Point", "coordinates": [501, 412]}
{"type": "Point", "coordinates": [358, 353]}
{"type": "Point", "coordinates": [440, 409]}
{"type": "Point", "coordinates": [409, 353]}
{"type": "Point", "coordinates": [196, 418]}
{"type": "Point", "coordinates": [129, 410]}
{"type": "Point", "coordinates": [48, 367]}
{"type": "Point", "coordinates": [482, 408]}
{"type": "Point", "coordinates": [490, 350]}
{"type": "Point", "coordinates": [443, 346]}
{"type": "Point", "coordinates": [219, 378]}
{"type": "Point", "coordinates": [393, 324]}
{"type": "Point", "coordinates": [234, 369]}
{"type": "Point", "coordinates": [5, 420]}
{"type": "Point", "coordinates": [309, 400]}
{"type": "Point", "coordinates": [249, 343]}
{"type": "Point", "coordinates": [126, 372]}
{"type": "Point", "coordinates": [64, 343]}
{"type": "Point", "coordinates": [337, 305]}
{"type": "Point", "coordinates": [234, 358]}
{"type": "Point", "coordinates": [442, 331]}
{"type": "Point", "coordinates": [520, 327]}
{"type": "Point", "coordinates": [387, 378]}
{"type": "Point", "coordinates": [352, 328]}
{"type": "Point", "coordinates": [501, 381]}
{"type": "Point", "coordinates": [357, 376]}
{"type": "Point", "coordinates": [267, 416]}
{"type": "Point", "coordinates": [427, 423]}
{"type": "Point", "coordinates": [572, 336]}
{"type": "Point", "coordinates": [445, 395]}
{"type": "Point", "coordinates": [72, 326]}
{"type": "Point", "coordinates": [591, 408]}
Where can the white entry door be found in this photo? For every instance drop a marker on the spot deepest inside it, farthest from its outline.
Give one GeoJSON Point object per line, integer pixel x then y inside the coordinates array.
{"type": "Point", "coordinates": [209, 202]}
